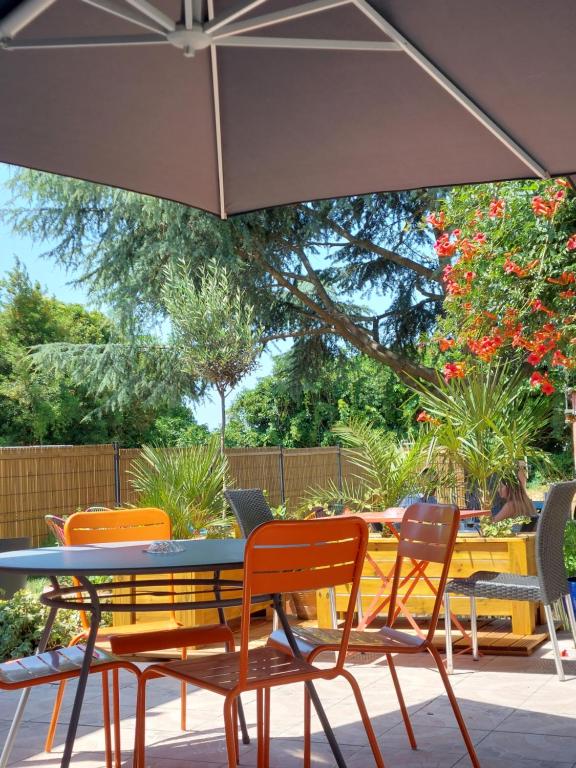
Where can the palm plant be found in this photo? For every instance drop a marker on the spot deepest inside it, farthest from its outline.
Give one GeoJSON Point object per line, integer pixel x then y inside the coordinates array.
{"type": "Point", "coordinates": [185, 482]}
{"type": "Point", "coordinates": [484, 424]}
{"type": "Point", "coordinates": [384, 470]}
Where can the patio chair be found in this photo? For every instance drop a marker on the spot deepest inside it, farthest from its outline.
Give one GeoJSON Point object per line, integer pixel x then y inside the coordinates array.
{"type": "Point", "coordinates": [249, 507]}
{"type": "Point", "coordinates": [145, 524]}
{"type": "Point", "coordinates": [55, 525]}
{"type": "Point", "coordinates": [280, 556]}
{"type": "Point", "coordinates": [59, 665]}
{"type": "Point", "coordinates": [427, 535]}
{"type": "Point", "coordinates": [549, 585]}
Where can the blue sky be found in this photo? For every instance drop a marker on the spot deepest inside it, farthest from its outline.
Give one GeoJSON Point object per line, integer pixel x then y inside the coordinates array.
{"type": "Point", "coordinates": [57, 282]}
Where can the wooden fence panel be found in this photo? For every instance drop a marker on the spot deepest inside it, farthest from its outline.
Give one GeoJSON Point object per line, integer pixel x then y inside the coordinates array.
{"type": "Point", "coordinates": [58, 480]}
{"type": "Point", "coordinates": [257, 468]}
{"type": "Point", "coordinates": [306, 469]}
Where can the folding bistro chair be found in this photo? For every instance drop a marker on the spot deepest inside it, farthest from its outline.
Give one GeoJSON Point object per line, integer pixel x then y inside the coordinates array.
{"type": "Point", "coordinates": [145, 524]}
{"type": "Point", "coordinates": [427, 535]}
{"type": "Point", "coordinates": [280, 556]}
{"type": "Point", "coordinates": [548, 586]}
{"type": "Point", "coordinates": [59, 665]}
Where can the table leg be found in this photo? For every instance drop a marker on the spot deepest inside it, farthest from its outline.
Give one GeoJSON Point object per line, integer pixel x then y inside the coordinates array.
{"type": "Point", "coordinates": [334, 746]}
{"type": "Point", "coordinates": [25, 695]}
{"type": "Point", "coordinates": [222, 619]}
{"type": "Point", "coordinates": [95, 615]}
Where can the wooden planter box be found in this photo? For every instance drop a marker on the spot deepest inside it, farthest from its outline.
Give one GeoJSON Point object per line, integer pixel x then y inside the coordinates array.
{"type": "Point", "coordinates": [472, 553]}
{"type": "Point", "coordinates": [183, 594]}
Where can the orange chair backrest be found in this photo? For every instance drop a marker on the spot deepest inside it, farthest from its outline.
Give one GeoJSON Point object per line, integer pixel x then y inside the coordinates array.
{"type": "Point", "coordinates": [105, 527]}
{"type": "Point", "coordinates": [427, 535]}
{"type": "Point", "coordinates": [287, 556]}
{"type": "Point", "coordinates": [112, 526]}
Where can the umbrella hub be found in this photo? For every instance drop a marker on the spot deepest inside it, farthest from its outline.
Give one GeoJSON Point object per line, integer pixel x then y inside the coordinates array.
{"type": "Point", "coordinates": [190, 40]}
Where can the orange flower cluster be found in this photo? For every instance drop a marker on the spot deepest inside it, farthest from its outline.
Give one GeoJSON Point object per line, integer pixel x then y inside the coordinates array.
{"type": "Point", "coordinates": [547, 206]}
{"type": "Point", "coordinates": [437, 220]}
{"type": "Point", "coordinates": [496, 208]}
{"type": "Point", "coordinates": [444, 247]}
{"type": "Point", "coordinates": [571, 243]}
{"type": "Point", "coordinates": [445, 344]}
{"type": "Point", "coordinates": [539, 380]}
{"type": "Point", "coordinates": [425, 418]}
{"type": "Point", "coordinates": [565, 279]}
{"type": "Point", "coordinates": [512, 268]}
{"type": "Point", "coordinates": [538, 306]}
{"type": "Point", "coordinates": [486, 347]}
{"type": "Point", "coordinates": [454, 371]}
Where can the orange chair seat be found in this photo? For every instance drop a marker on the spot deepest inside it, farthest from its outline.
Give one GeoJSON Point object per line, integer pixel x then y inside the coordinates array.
{"type": "Point", "coordinates": [220, 673]}
{"type": "Point", "coordinates": [59, 664]}
{"type": "Point", "coordinates": [315, 640]}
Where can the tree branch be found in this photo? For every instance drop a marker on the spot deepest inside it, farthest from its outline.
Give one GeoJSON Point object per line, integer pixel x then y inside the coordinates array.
{"type": "Point", "coordinates": [298, 334]}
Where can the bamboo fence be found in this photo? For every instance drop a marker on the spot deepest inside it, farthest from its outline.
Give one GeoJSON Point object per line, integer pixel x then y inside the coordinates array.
{"type": "Point", "coordinates": [59, 480]}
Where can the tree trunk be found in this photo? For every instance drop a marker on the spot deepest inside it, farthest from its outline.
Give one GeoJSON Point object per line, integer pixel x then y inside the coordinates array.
{"type": "Point", "coordinates": [222, 420]}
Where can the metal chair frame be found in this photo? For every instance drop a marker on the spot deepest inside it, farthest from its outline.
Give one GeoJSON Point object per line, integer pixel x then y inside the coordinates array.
{"type": "Point", "coordinates": [548, 587]}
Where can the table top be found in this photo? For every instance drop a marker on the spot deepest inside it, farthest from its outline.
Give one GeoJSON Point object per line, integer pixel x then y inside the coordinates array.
{"type": "Point", "coordinates": [395, 515]}
{"type": "Point", "coordinates": [125, 559]}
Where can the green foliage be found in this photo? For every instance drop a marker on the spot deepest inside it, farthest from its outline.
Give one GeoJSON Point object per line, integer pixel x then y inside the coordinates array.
{"type": "Point", "coordinates": [300, 412]}
{"type": "Point", "coordinates": [515, 294]}
{"type": "Point", "coordinates": [483, 424]}
{"type": "Point", "coordinates": [385, 470]}
{"type": "Point", "coordinates": [570, 548]}
{"type": "Point", "coordinates": [185, 482]}
{"type": "Point", "coordinates": [294, 263]}
{"type": "Point", "coordinates": [212, 325]}
{"type": "Point", "coordinates": [178, 428]}
{"type": "Point", "coordinates": [22, 620]}
{"type": "Point", "coordinates": [47, 405]}
{"type": "Point", "coordinates": [503, 528]}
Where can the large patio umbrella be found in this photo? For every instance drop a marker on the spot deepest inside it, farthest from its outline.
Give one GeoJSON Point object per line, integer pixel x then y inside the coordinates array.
{"type": "Point", "coordinates": [236, 106]}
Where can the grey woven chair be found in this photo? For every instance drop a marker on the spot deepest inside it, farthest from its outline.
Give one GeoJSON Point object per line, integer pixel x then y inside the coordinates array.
{"type": "Point", "coordinates": [547, 587]}
{"type": "Point", "coordinates": [250, 508]}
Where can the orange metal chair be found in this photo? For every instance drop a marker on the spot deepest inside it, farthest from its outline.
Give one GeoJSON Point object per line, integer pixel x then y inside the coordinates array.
{"type": "Point", "coordinates": [427, 535]}
{"type": "Point", "coordinates": [61, 665]}
{"type": "Point", "coordinates": [281, 556]}
{"type": "Point", "coordinates": [141, 524]}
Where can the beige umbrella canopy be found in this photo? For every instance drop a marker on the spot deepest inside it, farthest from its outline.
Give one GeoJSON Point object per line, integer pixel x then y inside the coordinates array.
{"type": "Point", "coordinates": [233, 106]}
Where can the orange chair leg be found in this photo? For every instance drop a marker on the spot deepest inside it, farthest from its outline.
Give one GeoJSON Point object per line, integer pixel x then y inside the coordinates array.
{"type": "Point", "coordinates": [55, 715]}
{"type": "Point", "coordinates": [260, 727]}
{"type": "Point", "coordinates": [267, 693]}
{"type": "Point", "coordinates": [307, 729]}
{"type": "Point", "coordinates": [140, 736]}
{"type": "Point", "coordinates": [365, 717]}
{"type": "Point", "coordinates": [183, 695]}
{"type": "Point", "coordinates": [403, 709]}
{"type": "Point", "coordinates": [116, 715]}
{"type": "Point", "coordinates": [455, 706]}
{"type": "Point", "coordinates": [235, 718]}
{"type": "Point", "coordinates": [106, 719]}
{"type": "Point", "coordinates": [230, 727]}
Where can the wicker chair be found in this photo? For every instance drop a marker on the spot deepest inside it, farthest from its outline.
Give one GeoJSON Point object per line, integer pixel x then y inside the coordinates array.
{"type": "Point", "coordinates": [547, 587]}
{"type": "Point", "coordinates": [250, 508]}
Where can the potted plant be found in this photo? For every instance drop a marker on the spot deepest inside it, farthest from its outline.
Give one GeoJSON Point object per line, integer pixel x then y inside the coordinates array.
{"type": "Point", "coordinates": [187, 483]}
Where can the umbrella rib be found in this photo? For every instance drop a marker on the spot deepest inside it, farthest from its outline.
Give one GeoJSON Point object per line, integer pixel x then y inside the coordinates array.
{"type": "Point", "coordinates": [457, 93]}
{"type": "Point", "coordinates": [308, 42]}
{"type": "Point", "coordinates": [23, 15]}
{"type": "Point", "coordinates": [109, 6]}
{"type": "Point", "coordinates": [242, 10]}
{"type": "Point", "coordinates": [217, 120]}
{"type": "Point", "coordinates": [278, 17]}
{"type": "Point", "coordinates": [86, 42]}
{"type": "Point", "coordinates": [153, 13]}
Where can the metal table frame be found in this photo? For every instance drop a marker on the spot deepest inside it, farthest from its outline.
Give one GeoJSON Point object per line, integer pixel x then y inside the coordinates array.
{"type": "Point", "coordinates": [130, 561]}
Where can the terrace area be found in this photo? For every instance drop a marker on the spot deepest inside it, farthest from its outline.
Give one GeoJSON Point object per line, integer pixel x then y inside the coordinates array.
{"type": "Point", "coordinates": [517, 711]}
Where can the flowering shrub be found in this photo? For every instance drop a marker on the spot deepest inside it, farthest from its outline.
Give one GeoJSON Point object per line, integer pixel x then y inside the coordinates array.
{"type": "Point", "coordinates": [510, 278]}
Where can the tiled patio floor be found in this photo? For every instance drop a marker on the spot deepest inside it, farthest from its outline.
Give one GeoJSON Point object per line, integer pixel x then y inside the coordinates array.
{"type": "Point", "coordinates": [517, 712]}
